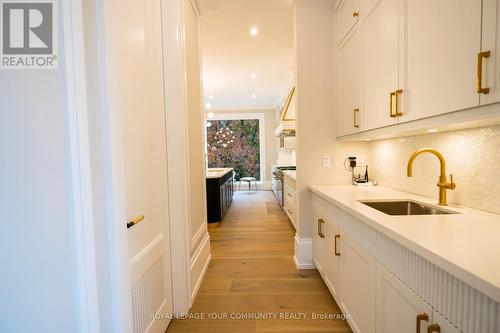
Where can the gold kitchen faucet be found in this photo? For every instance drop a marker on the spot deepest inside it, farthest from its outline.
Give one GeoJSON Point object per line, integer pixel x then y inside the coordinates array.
{"type": "Point", "coordinates": [443, 184]}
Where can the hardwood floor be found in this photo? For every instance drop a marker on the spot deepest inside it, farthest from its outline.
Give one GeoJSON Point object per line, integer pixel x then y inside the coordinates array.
{"type": "Point", "coordinates": [252, 273]}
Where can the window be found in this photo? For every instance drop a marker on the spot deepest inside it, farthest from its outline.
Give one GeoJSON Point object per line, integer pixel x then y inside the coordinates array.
{"type": "Point", "coordinates": [235, 143]}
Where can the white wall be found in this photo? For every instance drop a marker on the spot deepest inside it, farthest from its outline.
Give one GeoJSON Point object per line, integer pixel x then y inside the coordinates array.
{"type": "Point", "coordinates": [315, 110]}
{"type": "Point", "coordinates": [37, 256]}
{"type": "Point", "coordinates": [270, 140]}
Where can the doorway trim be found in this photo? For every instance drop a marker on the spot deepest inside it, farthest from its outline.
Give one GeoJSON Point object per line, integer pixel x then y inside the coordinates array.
{"type": "Point", "coordinates": [76, 109]}
{"type": "Point", "coordinates": [261, 117]}
{"type": "Point", "coordinates": [100, 293]}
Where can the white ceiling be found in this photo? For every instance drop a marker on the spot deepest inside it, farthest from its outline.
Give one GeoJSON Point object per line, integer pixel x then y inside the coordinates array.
{"type": "Point", "coordinates": [231, 55]}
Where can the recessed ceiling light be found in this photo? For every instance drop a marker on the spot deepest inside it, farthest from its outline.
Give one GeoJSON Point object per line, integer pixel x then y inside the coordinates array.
{"type": "Point", "coordinates": [253, 96]}
{"type": "Point", "coordinates": [253, 75]}
{"type": "Point", "coordinates": [210, 97]}
{"type": "Point", "coordinates": [254, 31]}
{"type": "Point", "coordinates": [208, 105]}
{"type": "Point", "coordinates": [368, 139]}
{"type": "Point", "coordinates": [210, 115]}
{"type": "Point", "coordinates": [432, 130]}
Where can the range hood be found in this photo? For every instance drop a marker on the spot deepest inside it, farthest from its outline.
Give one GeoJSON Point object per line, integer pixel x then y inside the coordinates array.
{"type": "Point", "coordinates": [287, 123]}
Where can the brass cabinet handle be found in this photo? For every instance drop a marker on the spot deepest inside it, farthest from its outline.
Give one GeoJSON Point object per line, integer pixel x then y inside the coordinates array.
{"type": "Point", "coordinates": [356, 120]}
{"type": "Point", "coordinates": [320, 228]}
{"type": "Point", "coordinates": [394, 95]}
{"type": "Point", "coordinates": [135, 221]}
{"type": "Point", "coordinates": [391, 95]}
{"type": "Point", "coordinates": [480, 56]}
{"type": "Point", "coordinates": [421, 317]}
{"type": "Point", "coordinates": [433, 328]}
{"type": "Point", "coordinates": [337, 253]}
{"type": "Point", "coordinates": [399, 91]}
{"type": "Point", "coordinates": [355, 14]}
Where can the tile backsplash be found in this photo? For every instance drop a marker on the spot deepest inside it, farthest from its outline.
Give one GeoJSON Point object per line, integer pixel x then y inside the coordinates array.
{"type": "Point", "coordinates": [472, 156]}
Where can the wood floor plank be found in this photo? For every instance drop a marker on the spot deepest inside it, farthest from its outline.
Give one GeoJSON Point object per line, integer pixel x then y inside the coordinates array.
{"type": "Point", "coordinates": [252, 273]}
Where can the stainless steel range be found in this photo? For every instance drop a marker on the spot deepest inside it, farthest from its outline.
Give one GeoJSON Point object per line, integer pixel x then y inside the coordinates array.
{"type": "Point", "coordinates": [277, 183]}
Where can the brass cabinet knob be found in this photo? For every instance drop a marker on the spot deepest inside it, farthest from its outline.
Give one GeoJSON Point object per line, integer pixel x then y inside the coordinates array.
{"type": "Point", "coordinates": [355, 14]}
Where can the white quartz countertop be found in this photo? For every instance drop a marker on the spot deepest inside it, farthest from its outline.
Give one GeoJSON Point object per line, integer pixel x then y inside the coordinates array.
{"type": "Point", "coordinates": [466, 245]}
{"type": "Point", "coordinates": [291, 173]}
{"type": "Point", "coordinates": [217, 172]}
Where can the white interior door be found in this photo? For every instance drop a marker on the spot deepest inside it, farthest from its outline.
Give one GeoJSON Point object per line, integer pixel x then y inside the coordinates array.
{"type": "Point", "coordinates": [141, 100]}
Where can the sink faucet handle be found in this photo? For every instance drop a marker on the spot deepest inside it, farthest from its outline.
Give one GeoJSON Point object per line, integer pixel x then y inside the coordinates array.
{"type": "Point", "coordinates": [452, 184]}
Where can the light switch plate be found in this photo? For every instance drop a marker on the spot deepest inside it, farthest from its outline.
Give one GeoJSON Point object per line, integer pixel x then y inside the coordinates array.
{"type": "Point", "coordinates": [327, 161]}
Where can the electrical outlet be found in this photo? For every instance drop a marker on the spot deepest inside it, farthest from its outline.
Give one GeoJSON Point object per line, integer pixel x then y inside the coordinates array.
{"type": "Point", "coordinates": [327, 161]}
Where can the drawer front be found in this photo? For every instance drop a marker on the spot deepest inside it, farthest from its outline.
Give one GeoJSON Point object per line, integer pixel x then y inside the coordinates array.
{"type": "Point", "coordinates": [325, 210]}
{"type": "Point", "coordinates": [289, 192]}
{"type": "Point", "coordinates": [361, 233]}
{"type": "Point", "coordinates": [288, 184]}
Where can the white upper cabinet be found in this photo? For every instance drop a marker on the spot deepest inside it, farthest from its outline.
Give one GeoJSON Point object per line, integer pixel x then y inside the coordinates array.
{"type": "Point", "coordinates": [490, 74]}
{"type": "Point", "coordinates": [347, 15]}
{"type": "Point", "coordinates": [349, 114]}
{"type": "Point", "coordinates": [440, 44]}
{"type": "Point", "coordinates": [418, 59]}
{"type": "Point", "coordinates": [379, 62]}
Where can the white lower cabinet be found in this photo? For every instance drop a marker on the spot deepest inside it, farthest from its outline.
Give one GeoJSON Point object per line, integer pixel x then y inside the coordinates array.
{"type": "Point", "coordinates": [358, 285]}
{"type": "Point", "coordinates": [347, 253]}
{"type": "Point", "coordinates": [398, 308]}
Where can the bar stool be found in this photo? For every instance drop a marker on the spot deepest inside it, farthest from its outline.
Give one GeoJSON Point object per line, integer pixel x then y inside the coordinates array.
{"type": "Point", "coordinates": [249, 180]}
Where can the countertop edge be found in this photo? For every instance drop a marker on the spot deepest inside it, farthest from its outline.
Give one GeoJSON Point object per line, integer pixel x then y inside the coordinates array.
{"type": "Point", "coordinates": [489, 289]}
{"type": "Point", "coordinates": [219, 174]}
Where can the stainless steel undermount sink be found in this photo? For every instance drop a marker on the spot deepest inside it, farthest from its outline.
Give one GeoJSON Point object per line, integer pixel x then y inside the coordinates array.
{"type": "Point", "coordinates": [406, 207]}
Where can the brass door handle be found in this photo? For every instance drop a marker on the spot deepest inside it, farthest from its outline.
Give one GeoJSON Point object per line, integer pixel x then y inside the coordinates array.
{"type": "Point", "coordinates": [320, 228]}
{"type": "Point", "coordinates": [421, 317]}
{"type": "Point", "coordinates": [135, 221]}
{"type": "Point", "coordinates": [480, 56]}
{"type": "Point", "coordinates": [356, 118]}
{"type": "Point", "coordinates": [434, 328]}
{"type": "Point", "coordinates": [337, 253]}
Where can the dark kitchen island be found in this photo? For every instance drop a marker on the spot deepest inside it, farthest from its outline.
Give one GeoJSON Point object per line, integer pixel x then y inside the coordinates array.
{"type": "Point", "coordinates": [220, 189]}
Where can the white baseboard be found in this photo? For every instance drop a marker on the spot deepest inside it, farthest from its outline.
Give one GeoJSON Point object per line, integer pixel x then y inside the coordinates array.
{"type": "Point", "coordinates": [303, 253]}
{"type": "Point", "coordinates": [199, 265]}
